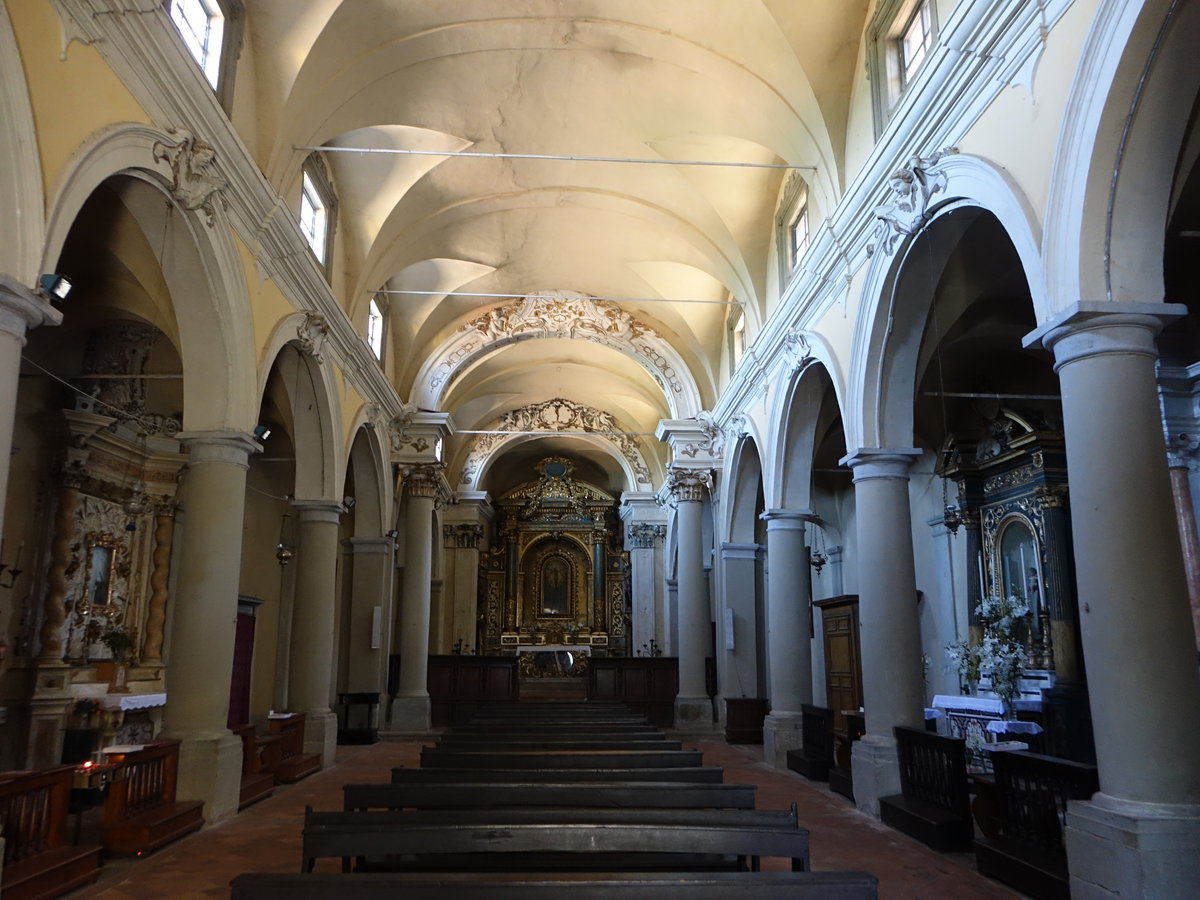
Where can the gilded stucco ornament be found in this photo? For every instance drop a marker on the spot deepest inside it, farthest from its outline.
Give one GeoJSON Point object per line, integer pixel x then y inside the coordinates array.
{"type": "Point", "coordinates": [195, 181]}
{"type": "Point", "coordinates": [912, 188]}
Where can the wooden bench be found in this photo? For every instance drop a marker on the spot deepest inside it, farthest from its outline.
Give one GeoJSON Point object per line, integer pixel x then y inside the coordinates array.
{"type": "Point", "coordinates": [294, 764]}
{"type": "Point", "coordinates": [438, 758]}
{"type": "Point", "coordinates": [140, 811]}
{"type": "Point", "coordinates": [38, 863]}
{"type": "Point", "coordinates": [503, 886]}
{"type": "Point", "coordinates": [618, 795]}
{"type": "Point", "coordinates": [259, 759]}
{"type": "Point", "coordinates": [814, 758]}
{"type": "Point", "coordinates": [749, 818]}
{"type": "Point", "coordinates": [934, 804]}
{"type": "Point", "coordinates": [1032, 793]}
{"type": "Point", "coordinates": [694, 775]}
{"type": "Point", "coordinates": [539, 744]}
{"type": "Point", "coordinates": [532, 847]}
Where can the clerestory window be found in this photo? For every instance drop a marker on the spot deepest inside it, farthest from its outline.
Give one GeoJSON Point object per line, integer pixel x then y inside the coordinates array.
{"type": "Point", "coordinates": [317, 207]}
{"type": "Point", "coordinates": [211, 31]}
{"type": "Point", "coordinates": [375, 329]}
{"type": "Point", "coordinates": [901, 37]}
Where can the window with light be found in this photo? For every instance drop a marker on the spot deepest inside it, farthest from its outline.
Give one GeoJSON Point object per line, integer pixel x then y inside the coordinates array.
{"type": "Point", "coordinates": [375, 329]}
{"type": "Point", "coordinates": [314, 218]}
{"type": "Point", "coordinates": [798, 235]}
{"type": "Point", "coordinates": [737, 341]}
{"type": "Point", "coordinates": [201, 24]}
{"type": "Point", "coordinates": [913, 43]}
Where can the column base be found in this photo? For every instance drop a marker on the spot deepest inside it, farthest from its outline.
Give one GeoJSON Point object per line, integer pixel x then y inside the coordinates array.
{"type": "Point", "coordinates": [781, 732]}
{"type": "Point", "coordinates": [210, 769]}
{"type": "Point", "coordinates": [1119, 848]}
{"type": "Point", "coordinates": [411, 715]}
{"type": "Point", "coordinates": [694, 714]}
{"type": "Point", "coordinates": [320, 734]}
{"type": "Point", "coordinates": [875, 763]}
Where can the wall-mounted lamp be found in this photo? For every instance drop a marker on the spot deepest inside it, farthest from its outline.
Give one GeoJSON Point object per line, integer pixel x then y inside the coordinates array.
{"type": "Point", "coordinates": [261, 432]}
{"type": "Point", "coordinates": [56, 287]}
{"type": "Point", "coordinates": [393, 534]}
{"type": "Point", "coordinates": [348, 502]}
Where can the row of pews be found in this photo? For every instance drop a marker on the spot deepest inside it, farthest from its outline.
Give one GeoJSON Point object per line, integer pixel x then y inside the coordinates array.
{"type": "Point", "coordinates": [1013, 821]}
{"type": "Point", "coordinates": [533, 800]}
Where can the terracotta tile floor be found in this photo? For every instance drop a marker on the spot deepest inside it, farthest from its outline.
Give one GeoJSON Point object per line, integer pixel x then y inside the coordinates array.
{"type": "Point", "coordinates": [266, 836]}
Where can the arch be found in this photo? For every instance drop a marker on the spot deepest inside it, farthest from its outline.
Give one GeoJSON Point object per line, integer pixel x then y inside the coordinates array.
{"type": "Point", "coordinates": [508, 442]}
{"type": "Point", "coordinates": [205, 276]}
{"type": "Point", "coordinates": [558, 315]}
{"type": "Point", "coordinates": [320, 459]}
{"type": "Point", "coordinates": [743, 486]}
{"type": "Point", "coordinates": [554, 416]}
{"type": "Point", "coordinates": [888, 332]}
{"type": "Point", "coordinates": [20, 166]}
{"type": "Point", "coordinates": [795, 439]}
{"type": "Point", "coordinates": [1101, 135]}
{"type": "Point", "coordinates": [372, 488]}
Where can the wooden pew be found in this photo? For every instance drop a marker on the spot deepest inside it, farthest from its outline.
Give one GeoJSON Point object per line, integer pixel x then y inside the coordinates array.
{"type": "Point", "coordinates": [258, 782]}
{"type": "Point", "coordinates": [841, 776]}
{"type": "Point", "coordinates": [450, 795]}
{"type": "Point", "coordinates": [1032, 793]}
{"type": "Point", "coordinates": [540, 743]}
{"type": "Point", "coordinates": [532, 847]}
{"type": "Point", "coordinates": [749, 818]}
{"type": "Point", "coordinates": [814, 758]}
{"type": "Point", "coordinates": [438, 758]}
{"type": "Point", "coordinates": [695, 775]}
{"type": "Point", "coordinates": [140, 811]}
{"type": "Point", "coordinates": [934, 805]}
{"type": "Point", "coordinates": [616, 886]}
{"type": "Point", "coordinates": [294, 763]}
{"type": "Point", "coordinates": [38, 862]}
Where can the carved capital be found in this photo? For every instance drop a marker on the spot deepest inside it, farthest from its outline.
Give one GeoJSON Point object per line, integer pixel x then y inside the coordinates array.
{"type": "Point", "coordinates": [195, 181]}
{"type": "Point", "coordinates": [688, 485]}
{"type": "Point", "coordinates": [422, 481]}
{"type": "Point", "coordinates": [911, 189]}
{"type": "Point", "coordinates": [1051, 496]}
{"type": "Point", "coordinates": [642, 535]}
{"type": "Point", "coordinates": [462, 537]}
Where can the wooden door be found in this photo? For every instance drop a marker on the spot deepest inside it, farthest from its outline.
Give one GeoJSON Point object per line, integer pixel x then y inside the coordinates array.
{"type": "Point", "coordinates": [843, 665]}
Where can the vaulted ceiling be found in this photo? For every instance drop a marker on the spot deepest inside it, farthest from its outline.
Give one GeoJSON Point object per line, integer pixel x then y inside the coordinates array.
{"type": "Point", "coordinates": [752, 81]}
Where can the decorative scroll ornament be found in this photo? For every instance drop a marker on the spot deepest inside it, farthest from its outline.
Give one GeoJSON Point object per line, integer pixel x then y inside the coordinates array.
{"type": "Point", "coordinates": [798, 350]}
{"type": "Point", "coordinates": [312, 334]}
{"type": "Point", "coordinates": [195, 181]}
{"type": "Point", "coordinates": [713, 442]}
{"type": "Point", "coordinates": [736, 429]}
{"type": "Point", "coordinates": [557, 415]}
{"type": "Point", "coordinates": [912, 187]}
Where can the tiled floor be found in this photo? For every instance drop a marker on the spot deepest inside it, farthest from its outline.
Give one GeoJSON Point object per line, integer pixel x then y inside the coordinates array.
{"type": "Point", "coordinates": [266, 836]}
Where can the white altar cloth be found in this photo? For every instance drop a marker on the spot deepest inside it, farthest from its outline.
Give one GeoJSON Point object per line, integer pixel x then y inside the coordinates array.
{"type": "Point", "coordinates": [133, 701]}
{"type": "Point", "coordinates": [969, 704]}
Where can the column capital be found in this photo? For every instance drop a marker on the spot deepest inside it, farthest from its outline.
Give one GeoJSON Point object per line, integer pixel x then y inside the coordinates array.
{"type": "Point", "coordinates": [319, 510]}
{"type": "Point", "coordinates": [425, 481]}
{"type": "Point", "coordinates": [22, 308]}
{"type": "Point", "coordinates": [463, 536]}
{"type": "Point", "coordinates": [642, 535]}
{"type": "Point", "coordinates": [787, 519]}
{"type": "Point", "coordinates": [873, 462]}
{"type": "Point", "coordinates": [1089, 329]}
{"type": "Point", "coordinates": [230, 448]}
{"type": "Point", "coordinates": [688, 484]}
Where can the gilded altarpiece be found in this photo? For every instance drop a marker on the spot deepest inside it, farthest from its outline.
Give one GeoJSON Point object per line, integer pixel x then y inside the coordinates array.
{"type": "Point", "coordinates": [556, 576]}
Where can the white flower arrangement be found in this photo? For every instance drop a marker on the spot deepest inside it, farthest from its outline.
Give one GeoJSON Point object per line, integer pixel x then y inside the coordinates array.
{"type": "Point", "coordinates": [1000, 656]}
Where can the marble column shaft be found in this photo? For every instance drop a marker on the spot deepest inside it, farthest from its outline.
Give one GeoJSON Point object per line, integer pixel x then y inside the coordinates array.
{"type": "Point", "coordinates": [310, 675]}
{"type": "Point", "coordinates": [205, 617]}
{"type": "Point", "coordinates": [789, 593]}
{"type": "Point", "coordinates": [411, 705]}
{"type": "Point", "coordinates": [1135, 618]}
{"type": "Point", "coordinates": [371, 569]}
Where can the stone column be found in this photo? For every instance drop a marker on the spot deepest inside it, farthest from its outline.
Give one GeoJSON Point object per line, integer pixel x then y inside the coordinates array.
{"type": "Point", "coordinates": [671, 618]}
{"type": "Point", "coordinates": [1139, 837]}
{"type": "Point", "coordinates": [693, 708]}
{"type": "Point", "coordinates": [204, 620]}
{"type": "Point", "coordinates": [789, 647]}
{"type": "Point", "coordinates": [643, 538]}
{"type": "Point", "coordinates": [1182, 461]}
{"type": "Point", "coordinates": [20, 310]}
{"type": "Point", "coordinates": [890, 632]}
{"type": "Point", "coordinates": [462, 544]}
{"type": "Point", "coordinates": [310, 669]}
{"type": "Point", "coordinates": [410, 708]}
{"type": "Point", "coordinates": [738, 628]}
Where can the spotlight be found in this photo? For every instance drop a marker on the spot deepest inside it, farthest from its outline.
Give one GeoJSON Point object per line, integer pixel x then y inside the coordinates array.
{"type": "Point", "coordinates": [262, 432]}
{"type": "Point", "coordinates": [393, 534]}
{"type": "Point", "coordinates": [348, 502]}
{"type": "Point", "coordinates": [56, 287]}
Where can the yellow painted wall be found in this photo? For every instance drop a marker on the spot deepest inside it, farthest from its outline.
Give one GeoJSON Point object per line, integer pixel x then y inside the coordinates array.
{"type": "Point", "coordinates": [71, 98]}
{"type": "Point", "coordinates": [1028, 152]}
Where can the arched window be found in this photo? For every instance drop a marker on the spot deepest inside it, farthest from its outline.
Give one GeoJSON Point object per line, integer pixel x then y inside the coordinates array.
{"type": "Point", "coordinates": [375, 329]}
